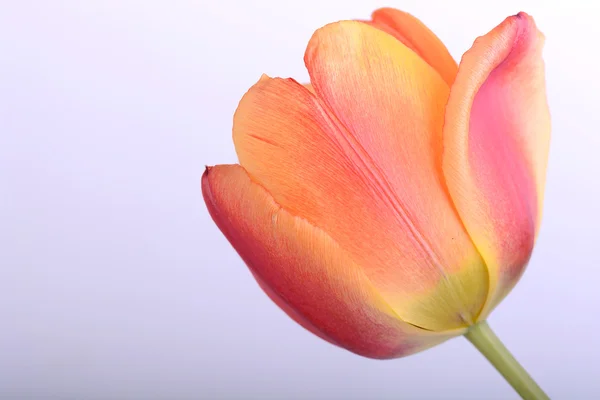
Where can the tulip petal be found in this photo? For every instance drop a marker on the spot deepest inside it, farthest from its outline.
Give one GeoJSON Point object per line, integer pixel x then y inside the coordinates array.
{"type": "Point", "coordinates": [416, 36]}
{"type": "Point", "coordinates": [305, 272]}
{"type": "Point", "coordinates": [496, 139]}
{"type": "Point", "coordinates": [389, 104]}
{"type": "Point", "coordinates": [376, 189]}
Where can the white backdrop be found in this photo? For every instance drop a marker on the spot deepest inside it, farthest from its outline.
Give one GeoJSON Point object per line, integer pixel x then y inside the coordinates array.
{"type": "Point", "coordinates": [114, 282]}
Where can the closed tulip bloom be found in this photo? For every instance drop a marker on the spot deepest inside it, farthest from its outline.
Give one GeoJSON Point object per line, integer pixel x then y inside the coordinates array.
{"type": "Point", "coordinates": [394, 201]}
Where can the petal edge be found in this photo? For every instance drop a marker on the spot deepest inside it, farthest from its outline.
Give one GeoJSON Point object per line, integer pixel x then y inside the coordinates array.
{"type": "Point", "coordinates": [496, 142]}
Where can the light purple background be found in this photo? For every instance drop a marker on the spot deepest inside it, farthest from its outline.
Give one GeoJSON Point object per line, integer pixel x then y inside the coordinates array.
{"type": "Point", "coordinates": [114, 282]}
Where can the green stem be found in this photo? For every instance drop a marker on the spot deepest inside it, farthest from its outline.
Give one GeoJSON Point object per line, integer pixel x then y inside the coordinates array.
{"type": "Point", "coordinates": [486, 341]}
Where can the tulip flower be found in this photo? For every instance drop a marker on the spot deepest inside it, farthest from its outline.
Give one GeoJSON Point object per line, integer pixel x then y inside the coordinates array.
{"type": "Point", "coordinates": [394, 201]}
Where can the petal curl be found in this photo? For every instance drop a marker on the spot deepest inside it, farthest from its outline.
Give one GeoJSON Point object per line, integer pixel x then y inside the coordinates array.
{"type": "Point", "coordinates": [305, 272]}
{"type": "Point", "coordinates": [496, 139]}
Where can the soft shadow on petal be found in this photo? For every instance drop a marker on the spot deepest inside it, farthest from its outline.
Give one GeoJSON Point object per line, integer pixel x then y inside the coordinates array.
{"type": "Point", "coordinates": [496, 141]}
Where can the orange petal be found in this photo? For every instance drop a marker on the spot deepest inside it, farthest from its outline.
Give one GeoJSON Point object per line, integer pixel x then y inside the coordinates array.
{"type": "Point", "coordinates": [496, 137]}
{"type": "Point", "coordinates": [388, 105]}
{"type": "Point", "coordinates": [305, 272]}
{"type": "Point", "coordinates": [309, 87]}
{"type": "Point", "coordinates": [416, 36]}
{"type": "Point", "coordinates": [376, 189]}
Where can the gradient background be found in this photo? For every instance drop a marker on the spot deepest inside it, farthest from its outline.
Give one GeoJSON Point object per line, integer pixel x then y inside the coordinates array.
{"type": "Point", "coordinates": [115, 283]}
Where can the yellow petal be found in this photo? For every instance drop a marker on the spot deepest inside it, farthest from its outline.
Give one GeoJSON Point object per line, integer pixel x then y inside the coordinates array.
{"type": "Point", "coordinates": [416, 36]}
